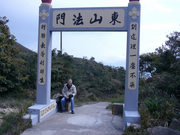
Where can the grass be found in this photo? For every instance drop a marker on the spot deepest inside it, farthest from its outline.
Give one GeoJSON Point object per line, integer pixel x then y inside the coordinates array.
{"type": "Point", "coordinates": [13, 123]}
{"type": "Point", "coordinates": [109, 106]}
{"type": "Point", "coordinates": [115, 99]}
{"type": "Point", "coordinates": [132, 131]}
{"type": "Point", "coordinates": [16, 100]}
{"type": "Point", "coordinates": [155, 111]}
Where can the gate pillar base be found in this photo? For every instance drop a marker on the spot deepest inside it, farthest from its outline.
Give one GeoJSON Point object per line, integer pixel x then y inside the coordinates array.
{"type": "Point", "coordinates": [39, 112]}
{"type": "Point", "coordinates": [130, 117]}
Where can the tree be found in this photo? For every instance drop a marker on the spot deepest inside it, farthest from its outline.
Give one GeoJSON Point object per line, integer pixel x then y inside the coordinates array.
{"type": "Point", "coordinates": [164, 65]}
{"type": "Point", "coordinates": [11, 63]}
{"type": "Point", "coordinates": [31, 66]}
{"type": "Point", "coordinates": [92, 58]}
{"type": "Point", "coordinates": [147, 62]}
{"type": "Point", "coordinates": [57, 77]}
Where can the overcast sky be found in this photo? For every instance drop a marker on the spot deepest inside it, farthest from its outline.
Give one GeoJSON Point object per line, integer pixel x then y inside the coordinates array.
{"type": "Point", "coordinates": [158, 19]}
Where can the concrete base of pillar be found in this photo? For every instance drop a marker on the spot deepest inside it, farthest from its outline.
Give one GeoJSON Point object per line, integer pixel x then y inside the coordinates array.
{"type": "Point", "coordinates": [39, 112]}
{"type": "Point", "coordinates": [130, 117]}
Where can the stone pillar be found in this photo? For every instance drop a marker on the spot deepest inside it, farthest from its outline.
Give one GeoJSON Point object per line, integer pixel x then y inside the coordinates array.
{"type": "Point", "coordinates": [44, 107]}
{"type": "Point", "coordinates": [44, 55]}
{"type": "Point", "coordinates": [130, 113]}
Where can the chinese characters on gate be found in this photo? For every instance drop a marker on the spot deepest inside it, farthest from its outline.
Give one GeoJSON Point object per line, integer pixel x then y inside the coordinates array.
{"type": "Point", "coordinates": [47, 110]}
{"type": "Point", "coordinates": [42, 54]}
{"type": "Point", "coordinates": [88, 18]}
{"type": "Point", "coordinates": [133, 56]}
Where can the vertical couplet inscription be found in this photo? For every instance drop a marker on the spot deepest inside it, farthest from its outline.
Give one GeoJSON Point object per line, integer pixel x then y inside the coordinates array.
{"type": "Point", "coordinates": [42, 54]}
{"type": "Point", "coordinates": [133, 56]}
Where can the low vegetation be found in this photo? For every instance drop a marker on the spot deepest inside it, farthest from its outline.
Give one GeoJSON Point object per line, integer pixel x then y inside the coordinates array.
{"type": "Point", "coordinates": [115, 99]}
{"type": "Point", "coordinates": [12, 123]}
{"type": "Point", "coordinates": [159, 95]}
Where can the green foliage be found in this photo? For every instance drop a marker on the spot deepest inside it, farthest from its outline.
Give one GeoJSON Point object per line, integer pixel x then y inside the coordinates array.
{"type": "Point", "coordinates": [161, 117]}
{"type": "Point", "coordinates": [18, 71]}
{"type": "Point", "coordinates": [11, 62]}
{"type": "Point", "coordinates": [118, 99]}
{"type": "Point", "coordinates": [14, 123]}
{"type": "Point", "coordinates": [93, 98]}
{"type": "Point", "coordinates": [164, 66]}
{"type": "Point", "coordinates": [147, 62]}
{"type": "Point", "coordinates": [31, 70]}
{"type": "Point", "coordinates": [91, 78]}
{"type": "Point", "coordinates": [153, 104]}
{"type": "Point", "coordinates": [109, 106]}
{"type": "Point", "coordinates": [133, 131]}
{"type": "Point", "coordinates": [115, 99]}
{"type": "Point", "coordinates": [57, 71]}
{"type": "Point", "coordinates": [159, 95]}
{"type": "Point", "coordinates": [158, 110]}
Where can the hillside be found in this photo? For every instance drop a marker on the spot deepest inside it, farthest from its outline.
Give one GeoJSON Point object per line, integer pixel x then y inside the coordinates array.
{"type": "Point", "coordinates": [93, 80]}
{"type": "Point", "coordinates": [24, 49]}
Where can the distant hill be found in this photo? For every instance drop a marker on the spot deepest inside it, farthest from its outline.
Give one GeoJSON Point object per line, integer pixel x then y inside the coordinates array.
{"type": "Point", "coordinates": [24, 49]}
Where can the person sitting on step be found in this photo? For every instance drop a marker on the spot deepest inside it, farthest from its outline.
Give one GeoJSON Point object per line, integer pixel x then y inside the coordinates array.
{"type": "Point", "coordinates": [69, 91]}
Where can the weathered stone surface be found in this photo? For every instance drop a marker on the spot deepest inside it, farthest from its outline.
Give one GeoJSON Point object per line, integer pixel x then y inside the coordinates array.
{"type": "Point", "coordinates": [117, 108]}
{"type": "Point", "coordinates": [175, 124]}
{"type": "Point", "coordinates": [162, 131]}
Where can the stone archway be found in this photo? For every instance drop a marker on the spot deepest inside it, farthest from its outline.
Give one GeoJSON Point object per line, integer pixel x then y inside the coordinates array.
{"type": "Point", "coordinates": [87, 19]}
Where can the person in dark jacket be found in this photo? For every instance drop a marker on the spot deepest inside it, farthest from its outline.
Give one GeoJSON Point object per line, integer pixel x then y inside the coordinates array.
{"type": "Point", "coordinates": [69, 91]}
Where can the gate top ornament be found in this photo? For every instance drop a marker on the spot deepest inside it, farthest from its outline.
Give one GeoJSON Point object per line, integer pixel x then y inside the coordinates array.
{"type": "Point", "coordinates": [134, 13]}
{"type": "Point", "coordinates": [43, 15]}
{"type": "Point", "coordinates": [46, 1]}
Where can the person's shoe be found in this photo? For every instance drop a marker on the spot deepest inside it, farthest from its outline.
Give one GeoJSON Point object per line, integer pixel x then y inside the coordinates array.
{"type": "Point", "coordinates": [62, 111]}
{"type": "Point", "coordinates": [72, 112]}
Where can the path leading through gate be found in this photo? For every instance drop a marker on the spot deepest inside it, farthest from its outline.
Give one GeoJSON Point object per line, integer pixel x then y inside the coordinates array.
{"type": "Point", "coordinates": [91, 119]}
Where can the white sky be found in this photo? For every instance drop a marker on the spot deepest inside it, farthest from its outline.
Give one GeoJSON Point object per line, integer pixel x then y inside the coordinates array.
{"type": "Point", "coordinates": [158, 19]}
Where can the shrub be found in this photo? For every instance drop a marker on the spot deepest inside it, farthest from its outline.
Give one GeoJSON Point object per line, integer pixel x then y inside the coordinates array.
{"type": "Point", "coordinates": [133, 131]}
{"type": "Point", "coordinates": [14, 123]}
{"type": "Point", "coordinates": [118, 99]}
{"type": "Point", "coordinates": [153, 104]}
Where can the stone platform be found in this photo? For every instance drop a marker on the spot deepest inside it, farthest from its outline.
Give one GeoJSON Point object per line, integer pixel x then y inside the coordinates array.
{"type": "Point", "coordinates": [40, 112]}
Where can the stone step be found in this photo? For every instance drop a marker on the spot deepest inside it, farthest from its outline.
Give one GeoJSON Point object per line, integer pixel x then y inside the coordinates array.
{"type": "Point", "coordinates": [33, 117]}
{"type": "Point", "coordinates": [130, 117]}
{"type": "Point", "coordinates": [117, 108]}
{"type": "Point", "coordinates": [42, 111]}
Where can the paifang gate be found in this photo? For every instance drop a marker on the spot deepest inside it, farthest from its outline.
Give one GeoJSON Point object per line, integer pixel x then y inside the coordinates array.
{"type": "Point", "coordinates": [120, 19]}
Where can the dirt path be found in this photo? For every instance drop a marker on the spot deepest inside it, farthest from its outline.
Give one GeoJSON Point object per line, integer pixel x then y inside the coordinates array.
{"type": "Point", "coordinates": [91, 119]}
